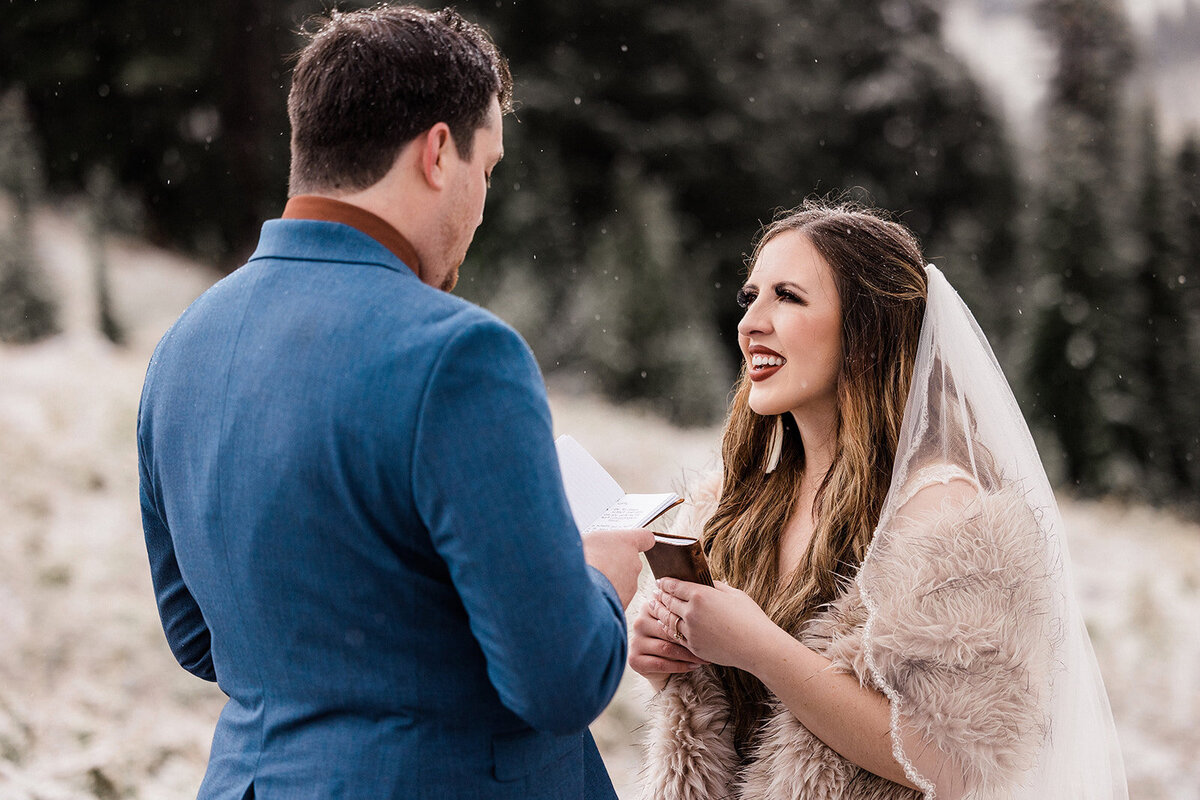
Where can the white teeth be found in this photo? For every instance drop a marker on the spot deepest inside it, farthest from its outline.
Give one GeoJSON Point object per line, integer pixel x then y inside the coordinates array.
{"type": "Point", "coordinates": [766, 361]}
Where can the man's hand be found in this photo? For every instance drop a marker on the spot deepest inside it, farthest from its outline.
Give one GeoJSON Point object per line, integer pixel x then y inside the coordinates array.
{"type": "Point", "coordinates": [615, 553]}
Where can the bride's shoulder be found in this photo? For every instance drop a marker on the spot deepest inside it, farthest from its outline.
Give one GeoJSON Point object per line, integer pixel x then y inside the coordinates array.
{"type": "Point", "coordinates": [934, 487]}
{"type": "Point", "coordinates": [944, 499]}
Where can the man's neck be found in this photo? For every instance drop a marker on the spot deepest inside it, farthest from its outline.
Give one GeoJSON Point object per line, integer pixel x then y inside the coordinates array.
{"type": "Point", "coordinates": [331, 209]}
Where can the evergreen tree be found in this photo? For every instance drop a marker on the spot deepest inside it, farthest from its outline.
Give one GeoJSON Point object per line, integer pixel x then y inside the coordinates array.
{"type": "Point", "coordinates": [1158, 333]}
{"type": "Point", "coordinates": [184, 102]}
{"type": "Point", "coordinates": [1187, 176]}
{"type": "Point", "coordinates": [1076, 372]}
{"type": "Point", "coordinates": [729, 109]}
{"type": "Point", "coordinates": [646, 328]}
{"type": "Point", "coordinates": [28, 311]}
{"type": "Point", "coordinates": [734, 110]}
{"type": "Point", "coordinates": [1068, 368]}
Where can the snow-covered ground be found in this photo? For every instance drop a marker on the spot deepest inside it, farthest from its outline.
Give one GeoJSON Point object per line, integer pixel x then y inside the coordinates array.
{"type": "Point", "coordinates": [93, 705]}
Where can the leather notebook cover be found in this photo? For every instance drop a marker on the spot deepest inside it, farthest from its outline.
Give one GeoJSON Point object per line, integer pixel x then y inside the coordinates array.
{"type": "Point", "coordinates": [678, 557]}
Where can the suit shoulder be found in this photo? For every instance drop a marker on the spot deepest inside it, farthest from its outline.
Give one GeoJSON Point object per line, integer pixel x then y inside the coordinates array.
{"type": "Point", "coordinates": [210, 299]}
{"type": "Point", "coordinates": [461, 322]}
{"type": "Point", "coordinates": [446, 304]}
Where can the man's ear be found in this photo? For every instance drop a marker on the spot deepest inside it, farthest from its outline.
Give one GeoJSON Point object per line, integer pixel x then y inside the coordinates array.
{"type": "Point", "coordinates": [436, 144]}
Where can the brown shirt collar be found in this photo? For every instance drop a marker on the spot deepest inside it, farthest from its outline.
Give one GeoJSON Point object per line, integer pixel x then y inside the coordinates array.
{"type": "Point", "coordinates": [326, 209]}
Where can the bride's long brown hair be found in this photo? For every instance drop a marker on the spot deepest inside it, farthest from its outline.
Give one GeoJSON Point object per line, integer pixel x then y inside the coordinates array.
{"type": "Point", "coordinates": [880, 277]}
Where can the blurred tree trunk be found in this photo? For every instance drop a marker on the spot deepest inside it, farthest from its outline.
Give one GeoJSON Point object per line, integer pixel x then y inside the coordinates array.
{"type": "Point", "coordinates": [1187, 212]}
{"type": "Point", "coordinates": [248, 99]}
{"type": "Point", "coordinates": [28, 309]}
{"type": "Point", "coordinates": [1165, 377]}
{"type": "Point", "coordinates": [102, 199]}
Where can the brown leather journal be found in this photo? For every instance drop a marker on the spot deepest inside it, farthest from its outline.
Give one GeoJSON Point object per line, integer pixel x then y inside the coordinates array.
{"type": "Point", "coordinates": [679, 557]}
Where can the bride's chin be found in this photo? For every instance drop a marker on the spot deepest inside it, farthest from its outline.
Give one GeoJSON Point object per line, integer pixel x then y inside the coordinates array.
{"type": "Point", "coordinates": [763, 409]}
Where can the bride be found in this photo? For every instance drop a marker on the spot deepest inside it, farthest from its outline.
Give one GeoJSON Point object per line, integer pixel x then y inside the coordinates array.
{"type": "Point", "coordinates": [895, 616]}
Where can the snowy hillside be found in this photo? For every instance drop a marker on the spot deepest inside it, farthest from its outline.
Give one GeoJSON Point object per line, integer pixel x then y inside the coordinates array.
{"type": "Point", "coordinates": [93, 705]}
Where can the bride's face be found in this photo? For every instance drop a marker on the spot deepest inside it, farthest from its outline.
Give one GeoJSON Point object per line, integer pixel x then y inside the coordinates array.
{"type": "Point", "coordinates": [791, 333]}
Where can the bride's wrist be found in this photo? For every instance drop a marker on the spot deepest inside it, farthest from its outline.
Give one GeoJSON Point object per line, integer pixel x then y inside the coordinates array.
{"type": "Point", "coordinates": [764, 650]}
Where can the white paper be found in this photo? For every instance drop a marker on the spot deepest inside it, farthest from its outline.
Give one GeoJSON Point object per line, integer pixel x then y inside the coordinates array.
{"type": "Point", "coordinates": [632, 511]}
{"type": "Point", "coordinates": [590, 489]}
{"type": "Point", "coordinates": [597, 501]}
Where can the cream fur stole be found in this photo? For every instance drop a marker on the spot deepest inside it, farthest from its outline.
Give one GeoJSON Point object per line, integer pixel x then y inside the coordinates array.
{"type": "Point", "coordinates": [960, 636]}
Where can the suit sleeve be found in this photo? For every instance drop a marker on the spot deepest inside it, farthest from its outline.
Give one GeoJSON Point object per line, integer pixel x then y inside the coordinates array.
{"type": "Point", "coordinates": [187, 633]}
{"type": "Point", "coordinates": [487, 485]}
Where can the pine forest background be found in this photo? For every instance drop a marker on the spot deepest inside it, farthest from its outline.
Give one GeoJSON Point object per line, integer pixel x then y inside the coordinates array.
{"type": "Point", "coordinates": [650, 142]}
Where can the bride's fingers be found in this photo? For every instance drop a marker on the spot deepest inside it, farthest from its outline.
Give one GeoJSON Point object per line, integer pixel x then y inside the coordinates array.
{"type": "Point", "coordinates": [671, 604]}
{"type": "Point", "coordinates": [646, 664]}
{"type": "Point", "coordinates": [660, 624]}
{"type": "Point", "coordinates": [671, 629]}
{"type": "Point", "coordinates": [648, 647]}
{"type": "Point", "coordinates": [651, 627]}
{"type": "Point", "coordinates": [671, 626]}
{"type": "Point", "coordinates": [665, 601]}
{"type": "Point", "coordinates": [668, 622]}
{"type": "Point", "coordinates": [660, 634]}
{"type": "Point", "coordinates": [661, 648]}
{"type": "Point", "coordinates": [659, 610]}
{"type": "Point", "coordinates": [673, 652]}
{"type": "Point", "coordinates": [648, 623]}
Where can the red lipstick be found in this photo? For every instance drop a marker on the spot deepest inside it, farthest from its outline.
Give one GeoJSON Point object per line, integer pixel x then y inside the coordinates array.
{"type": "Point", "coordinates": [768, 362]}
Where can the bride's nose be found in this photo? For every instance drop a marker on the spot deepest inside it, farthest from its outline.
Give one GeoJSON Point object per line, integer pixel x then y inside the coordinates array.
{"type": "Point", "coordinates": [755, 320]}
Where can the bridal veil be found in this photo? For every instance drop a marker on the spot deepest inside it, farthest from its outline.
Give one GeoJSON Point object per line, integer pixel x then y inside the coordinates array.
{"type": "Point", "coordinates": [965, 453]}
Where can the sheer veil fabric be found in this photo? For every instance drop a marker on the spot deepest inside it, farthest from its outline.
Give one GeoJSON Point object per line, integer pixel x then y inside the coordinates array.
{"type": "Point", "coordinates": [965, 449]}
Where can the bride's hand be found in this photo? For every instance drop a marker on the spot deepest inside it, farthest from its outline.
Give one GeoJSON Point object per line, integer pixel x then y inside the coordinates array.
{"type": "Point", "coordinates": [719, 624]}
{"type": "Point", "coordinates": [653, 653]}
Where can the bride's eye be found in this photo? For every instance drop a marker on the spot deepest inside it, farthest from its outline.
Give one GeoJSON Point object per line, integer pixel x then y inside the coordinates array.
{"type": "Point", "coordinates": [746, 296]}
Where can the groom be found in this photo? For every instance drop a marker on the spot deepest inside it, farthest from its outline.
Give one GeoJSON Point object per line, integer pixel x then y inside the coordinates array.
{"type": "Point", "coordinates": [352, 507]}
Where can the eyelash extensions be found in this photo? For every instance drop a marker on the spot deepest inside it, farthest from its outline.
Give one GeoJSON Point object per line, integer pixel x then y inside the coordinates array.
{"type": "Point", "coordinates": [746, 296]}
{"type": "Point", "coordinates": [791, 297]}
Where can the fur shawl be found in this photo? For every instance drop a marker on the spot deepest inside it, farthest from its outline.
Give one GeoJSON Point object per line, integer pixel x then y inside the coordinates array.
{"type": "Point", "coordinates": [959, 633]}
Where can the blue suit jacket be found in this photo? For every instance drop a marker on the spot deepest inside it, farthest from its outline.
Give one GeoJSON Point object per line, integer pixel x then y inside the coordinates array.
{"type": "Point", "coordinates": [356, 526]}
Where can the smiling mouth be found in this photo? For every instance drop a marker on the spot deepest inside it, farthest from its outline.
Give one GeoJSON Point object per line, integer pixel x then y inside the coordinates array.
{"type": "Point", "coordinates": [766, 361]}
{"type": "Point", "coordinates": [763, 366]}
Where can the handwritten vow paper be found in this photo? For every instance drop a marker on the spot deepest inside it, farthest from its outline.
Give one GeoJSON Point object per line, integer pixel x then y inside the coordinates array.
{"type": "Point", "coordinates": [597, 501]}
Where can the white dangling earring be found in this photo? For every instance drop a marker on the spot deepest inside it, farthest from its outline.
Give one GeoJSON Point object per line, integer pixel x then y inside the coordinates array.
{"type": "Point", "coordinates": [775, 449]}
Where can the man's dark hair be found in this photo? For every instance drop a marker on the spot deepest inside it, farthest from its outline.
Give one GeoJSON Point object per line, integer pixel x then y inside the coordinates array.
{"type": "Point", "coordinates": [371, 81]}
